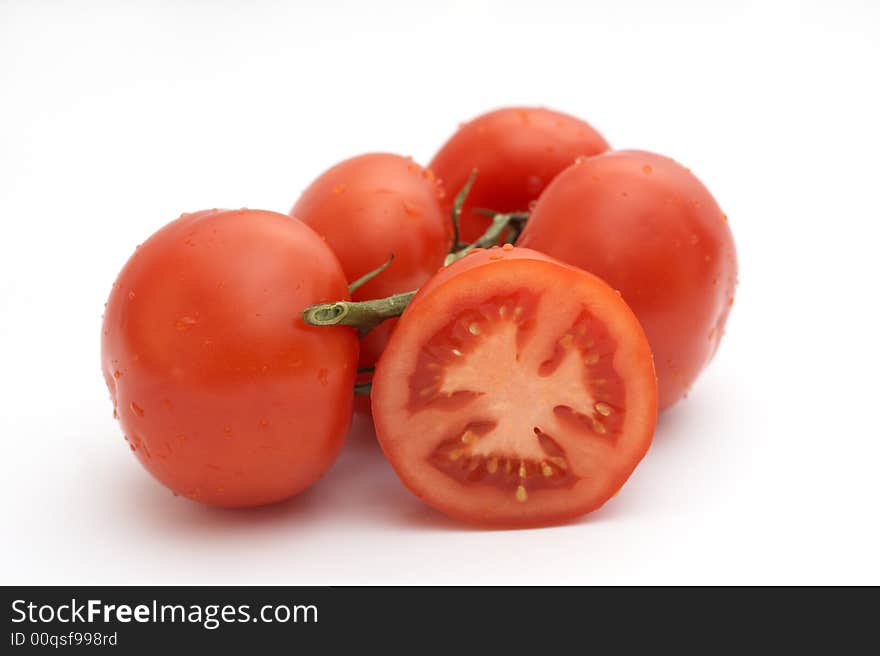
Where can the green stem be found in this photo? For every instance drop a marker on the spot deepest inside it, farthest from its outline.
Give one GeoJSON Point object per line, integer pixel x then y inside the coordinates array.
{"type": "Point", "coordinates": [516, 224]}
{"type": "Point", "coordinates": [486, 240]}
{"type": "Point", "coordinates": [363, 315]}
{"type": "Point", "coordinates": [367, 277]}
{"type": "Point", "coordinates": [366, 315]}
{"type": "Point", "coordinates": [456, 210]}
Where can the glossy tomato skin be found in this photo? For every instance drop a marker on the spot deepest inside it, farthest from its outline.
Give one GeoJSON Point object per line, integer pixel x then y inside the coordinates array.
{"type": "Point", "coordinates": [517, 151]}
{"type": "Point", "coordinates": [649, 227]}
{"type": "Point", "coordinates": [407, 421]}
{"type": "Point", "coordinates": [223, 393]}
{"type": "Point", "coordinates": [370, 206]}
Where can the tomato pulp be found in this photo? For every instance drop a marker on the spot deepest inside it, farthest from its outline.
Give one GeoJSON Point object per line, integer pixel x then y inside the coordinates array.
{"type": "Point", "coordinates": [225, 395]}
{"type": "Point", "coordinates": [516, 391]}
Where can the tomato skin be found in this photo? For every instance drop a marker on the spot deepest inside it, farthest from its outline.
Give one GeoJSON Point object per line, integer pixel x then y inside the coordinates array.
{"type": "Point", "coordinates": [370, 206]}
{"type": "Point", "coordinates": [517, 151]}
{"type": "Point", "coordinates": [467, 283]}
{"type": "Point", "coordinates": [647, 226]}
{"type": "Point", "coordinates": [224, 394]}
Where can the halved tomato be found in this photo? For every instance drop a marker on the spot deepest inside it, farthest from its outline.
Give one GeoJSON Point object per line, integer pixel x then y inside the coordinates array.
{"type": "Point", "coordinates": [515, 391]}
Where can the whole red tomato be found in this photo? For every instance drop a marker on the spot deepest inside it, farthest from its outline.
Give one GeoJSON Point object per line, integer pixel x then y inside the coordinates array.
{"type": "Point", "coordinates": [517, 152]}
{"type": "Point", "coordinates": [647, 226]}
{"type": "Point", "coordinates": [516, 390]}
{"type": "Point", "coordinates": [225, 395]}
{"type": "Point", "coordinates": [369, 207]}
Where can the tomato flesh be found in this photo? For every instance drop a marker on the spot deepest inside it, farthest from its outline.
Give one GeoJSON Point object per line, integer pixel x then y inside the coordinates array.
{"type": "Point", "coordinates": [529, 391]}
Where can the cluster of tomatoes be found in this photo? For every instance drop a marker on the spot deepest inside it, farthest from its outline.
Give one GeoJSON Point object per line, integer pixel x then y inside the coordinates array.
{"type": "Point", "coordinates": [516, 314]}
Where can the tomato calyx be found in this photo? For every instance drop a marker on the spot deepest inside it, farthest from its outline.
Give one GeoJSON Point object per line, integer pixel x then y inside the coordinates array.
{"type": "Point", "coordinates": [514, 222]}
{"type": "Point", "coordinates": [501, 221]}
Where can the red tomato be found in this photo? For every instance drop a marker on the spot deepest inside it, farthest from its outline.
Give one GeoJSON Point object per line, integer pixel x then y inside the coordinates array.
{"type": "Point", "coordinates": [516, 391]}
{"type": "Point", "coordinates": [224, 393]}
{"type": "Point", "coordinates": [517, 151]}
{"type": "Point", "coordinates": [371, 206]}
{"type": "Point", "coordinates": [648, 227]}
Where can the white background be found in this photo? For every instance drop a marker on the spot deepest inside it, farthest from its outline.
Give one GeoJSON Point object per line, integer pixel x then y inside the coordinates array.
{"type": "Point", "coordinates": [116, 117]}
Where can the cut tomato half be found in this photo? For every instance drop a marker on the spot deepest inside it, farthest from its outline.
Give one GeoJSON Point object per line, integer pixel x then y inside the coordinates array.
{"type": "Point", "coordinates": [515, 391]}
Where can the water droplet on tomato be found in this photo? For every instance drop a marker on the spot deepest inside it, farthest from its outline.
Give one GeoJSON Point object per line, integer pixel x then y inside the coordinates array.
{"type": "Point", "coordinates": [185, 323]}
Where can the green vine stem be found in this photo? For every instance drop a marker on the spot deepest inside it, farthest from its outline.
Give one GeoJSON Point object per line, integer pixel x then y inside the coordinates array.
{"type": "Point", "coordinates": [488, 238]}
{"type": "Point", "coordinates": [366, 315]}
{"type": "Point", "coordinates": [456, 211]}
{"type": "Point", "coordinates": [367, 277]}
{"type": "Point", "coordinates": [363, 315]}
{"type": "Point", "coordinates": [516, 223]}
